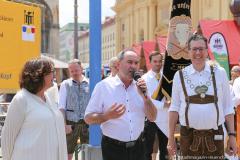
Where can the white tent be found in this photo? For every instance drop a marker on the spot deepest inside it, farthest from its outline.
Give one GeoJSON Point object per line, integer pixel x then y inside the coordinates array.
{"type": "Point", "coordinates": [57, 63]}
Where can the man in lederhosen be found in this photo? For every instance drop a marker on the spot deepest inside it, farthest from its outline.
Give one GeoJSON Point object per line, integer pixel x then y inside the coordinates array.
{"type": "Point", "coordinates": [201, 100]}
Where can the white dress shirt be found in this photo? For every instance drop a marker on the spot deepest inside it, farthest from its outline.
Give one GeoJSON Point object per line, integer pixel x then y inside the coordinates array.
{"type": "Point", "coordinates": [202, 116]}
{"type": "Point", "coordinates": [53, 92]}
{"type": "Point", "coordinates": [63, 94]}
{"type": "Point", "coordinates": [112, 90]}
{"type": "Point", "coordinates": [162, 112]}
{"type": "Point", "coordinates": [236, 90]}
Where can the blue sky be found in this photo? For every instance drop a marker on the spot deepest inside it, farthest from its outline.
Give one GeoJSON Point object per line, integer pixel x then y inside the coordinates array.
{"type": "Point", "coordinates": [66, 10]}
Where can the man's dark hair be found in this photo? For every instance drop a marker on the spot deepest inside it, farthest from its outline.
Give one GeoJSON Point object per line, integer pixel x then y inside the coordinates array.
{"type": "Point", "coordinates": [33, 73]}
{"type": "Point", "coordinates": [196, 37]}
{"type": "Point", "coordinates": [154, 53]}
{"type": "Point", "coordinates": [122, 53]}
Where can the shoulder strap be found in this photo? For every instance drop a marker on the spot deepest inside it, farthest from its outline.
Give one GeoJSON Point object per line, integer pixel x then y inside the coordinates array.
{"type": "Point", "coordinates": [215, 93]}
{"type": "Point", "coordinates": [186, 97]}
{"type": "Point", "coordinates": [183, 85]}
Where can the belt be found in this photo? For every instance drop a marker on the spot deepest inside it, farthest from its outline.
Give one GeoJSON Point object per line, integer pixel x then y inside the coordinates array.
{"type": "Point", "coordinates": [121, 143]}
{"type": "Point", "coordinates": [75, 123]}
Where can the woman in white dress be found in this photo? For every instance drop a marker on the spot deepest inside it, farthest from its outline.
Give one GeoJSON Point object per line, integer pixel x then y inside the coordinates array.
{"type": "Point", "coordinates": [34, 127]}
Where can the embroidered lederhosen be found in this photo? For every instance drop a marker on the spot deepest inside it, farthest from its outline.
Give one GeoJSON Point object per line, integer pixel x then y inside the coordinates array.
{"type": "Point", "coordinates": [200, 142]}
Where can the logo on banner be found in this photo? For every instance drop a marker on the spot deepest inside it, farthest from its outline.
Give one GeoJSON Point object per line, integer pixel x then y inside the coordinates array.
{"type": "Point", "coordinates": [179, 32]}
{"type": "Point", "coordinates": [218, 44]}
{"type": "Point", "coordinates": [28, 29]}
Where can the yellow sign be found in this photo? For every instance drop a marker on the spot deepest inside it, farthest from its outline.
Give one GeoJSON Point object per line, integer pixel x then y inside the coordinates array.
{"type": "Point", "coordinates": [20, 40]}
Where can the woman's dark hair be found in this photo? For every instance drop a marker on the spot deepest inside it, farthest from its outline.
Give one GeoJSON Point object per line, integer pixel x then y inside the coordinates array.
{"type": "Point", "coordinates": [32, 75]}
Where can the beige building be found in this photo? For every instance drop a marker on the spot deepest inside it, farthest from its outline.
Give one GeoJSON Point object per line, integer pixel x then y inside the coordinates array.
{"type": "Point", "coordinates": [108, 42]}
{"type": "Point", "coordinates": [83, 47]}
{"type": "Point", "coordinates": [138, 20]}
{"type": "Point", "coordinates": [67, 40]}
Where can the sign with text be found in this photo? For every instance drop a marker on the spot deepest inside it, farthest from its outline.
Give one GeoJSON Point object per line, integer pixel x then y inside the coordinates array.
{"type": "Point", "coordinates": [20, 40]}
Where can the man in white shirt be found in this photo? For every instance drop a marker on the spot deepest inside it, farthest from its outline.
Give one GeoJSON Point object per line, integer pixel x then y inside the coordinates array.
{"type": "Point", "coordinates": [235, 73]}
{"type": "Point", "coordinates": [160, 126]}
{"type": "Point", "coordinates": [73, 99]}
{"type": "Point", "coordinates": [236, 90]}
{"type": "Point", "coordinates": [201, 99]}
{"type": "Point", "coordinates": [120, 105]}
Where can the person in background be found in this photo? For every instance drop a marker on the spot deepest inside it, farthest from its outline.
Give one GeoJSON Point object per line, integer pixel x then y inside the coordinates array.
{"type": "Point", "coordinates": [73, 99]}
{"type": "Point", "coordinates": [235, 73]}
{"type": "Point", "coordinates": [160, 126]}
{"type": "Point", "coordinates": [113, 65]}
{"type": "Point", "coordinates": [34, 127]}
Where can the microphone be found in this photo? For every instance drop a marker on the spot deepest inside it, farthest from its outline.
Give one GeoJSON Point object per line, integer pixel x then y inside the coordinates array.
{"type": "Point", "coordinates": [136, 75]}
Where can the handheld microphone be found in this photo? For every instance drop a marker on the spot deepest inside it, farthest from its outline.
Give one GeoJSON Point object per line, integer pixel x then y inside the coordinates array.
{"type": "Point", "coordinates": [136, 75]}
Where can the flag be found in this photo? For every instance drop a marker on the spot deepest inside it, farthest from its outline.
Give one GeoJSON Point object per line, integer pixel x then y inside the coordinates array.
{"type": "Point", "coordinates": [176, 56]}
{"type": "Point", "coordinates": [218, 47]}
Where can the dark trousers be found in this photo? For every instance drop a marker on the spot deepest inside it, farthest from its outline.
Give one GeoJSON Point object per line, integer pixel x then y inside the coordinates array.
{"type": "Point", "coordinates": [112, 150]}
{"type": "Point", "coordinates": [150, 130]}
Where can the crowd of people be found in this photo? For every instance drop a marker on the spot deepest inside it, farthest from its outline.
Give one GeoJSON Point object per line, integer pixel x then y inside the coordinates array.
{"type": "Point", "coordinates": [40, 126]}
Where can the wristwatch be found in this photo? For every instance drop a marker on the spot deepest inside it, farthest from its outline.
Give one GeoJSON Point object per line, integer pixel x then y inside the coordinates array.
{"type": "Point", "coordinates": [232, 134]}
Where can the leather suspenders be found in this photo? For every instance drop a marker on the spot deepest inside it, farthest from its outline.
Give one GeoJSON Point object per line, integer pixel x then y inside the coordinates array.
{"type": "Point", "coordinates": [196, 99]}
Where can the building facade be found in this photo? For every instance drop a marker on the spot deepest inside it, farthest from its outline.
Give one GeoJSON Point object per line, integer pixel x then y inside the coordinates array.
{"type": "Point", "coordinates": [67, 40]}
{"type": "Point", "coordinates": [108, 42]}
{"type": "Point", "coordinates": [139, 20]}
{"type": "Point", "coordinates": [50, 26]}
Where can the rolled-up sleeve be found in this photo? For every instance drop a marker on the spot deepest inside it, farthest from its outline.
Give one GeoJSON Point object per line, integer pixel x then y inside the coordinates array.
{"type": "Point", "coordinates": [228, 107]}
{"type": "Point", "coordinates": [95, 104]}
{"type": "Point", "coordinates": [12, 125]}
{"type": "Point", "coordinates": [175, 102]}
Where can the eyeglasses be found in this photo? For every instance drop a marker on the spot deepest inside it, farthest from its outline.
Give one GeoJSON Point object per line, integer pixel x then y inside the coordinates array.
{"type": "Point", "coordinates": [200, 49]}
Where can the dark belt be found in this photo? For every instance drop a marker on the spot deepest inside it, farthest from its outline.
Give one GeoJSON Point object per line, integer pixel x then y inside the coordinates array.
{"type": "Point", "coordinates": [121, 143]}
{"type": "Point", "coordinates": [75, 123]}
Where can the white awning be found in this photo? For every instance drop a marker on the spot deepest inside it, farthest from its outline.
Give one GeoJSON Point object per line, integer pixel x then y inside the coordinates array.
{"type": "Point", "coordinates": [57, 63]}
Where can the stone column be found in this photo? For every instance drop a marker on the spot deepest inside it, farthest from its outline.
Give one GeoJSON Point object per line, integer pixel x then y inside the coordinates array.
{"type": "Point", "coordinates": [152, 20]}
{"type": "Point", "coordinates": [137, 24]}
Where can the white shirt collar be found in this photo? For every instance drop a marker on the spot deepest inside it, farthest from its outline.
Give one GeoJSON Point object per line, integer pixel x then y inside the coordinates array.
{"type": "Point", "coordinates": [153, 74]}
{"type": "Point", "coordinates": [206, 69]}
{"type": "Point", "coordinates": [118, 81]}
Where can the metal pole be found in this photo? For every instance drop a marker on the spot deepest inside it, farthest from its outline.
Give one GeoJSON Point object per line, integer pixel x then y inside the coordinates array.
{"type": "Point", "coordinates": [95, 60]}
{"type": "Point", "coordinates": [75, 29]}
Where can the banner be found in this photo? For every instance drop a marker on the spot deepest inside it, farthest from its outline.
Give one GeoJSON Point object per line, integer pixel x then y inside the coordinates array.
{"type": "Point", "coordinates": [180, 28]}
{"type": "Point", "coordinates": [20, 40]}
{"type": "Point", "coordinates": [218, 47]}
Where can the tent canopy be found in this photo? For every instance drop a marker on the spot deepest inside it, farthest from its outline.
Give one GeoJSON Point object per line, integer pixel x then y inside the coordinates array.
{"type": "Point", "coordinates": [149, 46]}
{"type": "Point", "coordinates": [57, 63]}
